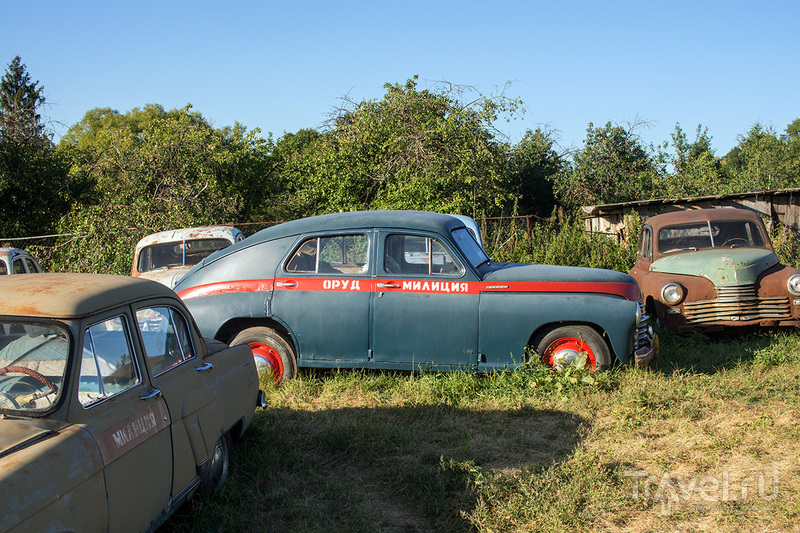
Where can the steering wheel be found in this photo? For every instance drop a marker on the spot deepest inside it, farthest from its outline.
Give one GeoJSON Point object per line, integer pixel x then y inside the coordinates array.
{"type": "Point", "coordinates": [9, 399]}
{"type": "Point", "coordinates": [32, 373]}
{"type": "Point", "coordinates": [736, 240]}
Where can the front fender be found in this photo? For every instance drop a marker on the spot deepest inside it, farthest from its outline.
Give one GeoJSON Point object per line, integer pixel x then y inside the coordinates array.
{"type": "Point", "coordinates": [509, 321]}
{"type": "Point", "coordinates": [54, 485]}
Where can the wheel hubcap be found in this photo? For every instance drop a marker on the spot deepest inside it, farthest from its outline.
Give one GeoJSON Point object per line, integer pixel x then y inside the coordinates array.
{"type": "Point", "coordinates": [563, 352]}
{"type": "Point", "coordinates": [267, 360]}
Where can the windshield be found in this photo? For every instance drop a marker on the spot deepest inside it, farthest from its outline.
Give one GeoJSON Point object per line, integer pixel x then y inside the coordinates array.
{"type": "Point", "coordinates": [178, 254]}
{"type": "Point", "coordinates": [33, 360]}
{"type": "Point", "coordinates": [470, 247]}
{"type": "Point", "coordinates": [710, 234]}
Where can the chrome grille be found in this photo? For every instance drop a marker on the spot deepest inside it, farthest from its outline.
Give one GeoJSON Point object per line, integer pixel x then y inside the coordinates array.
{"type": "Point", "coordinates": [736, 304]}
{"type": "Point", "coordinates": [644, 334]}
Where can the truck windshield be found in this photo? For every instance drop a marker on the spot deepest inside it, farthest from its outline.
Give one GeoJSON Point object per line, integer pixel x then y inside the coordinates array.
{"type": "Point", "coordinates": [470, 247]}
{"type": "Point", "coordinates": [178, 254]}
{"type": "Point", "coordinates": [710, 234]}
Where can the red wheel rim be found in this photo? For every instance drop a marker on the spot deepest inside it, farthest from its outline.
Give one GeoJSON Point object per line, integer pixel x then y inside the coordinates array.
{"type": "Point", "coordinates": [270, 356]}
{"type": "Point", "coordinates": [562, 352]}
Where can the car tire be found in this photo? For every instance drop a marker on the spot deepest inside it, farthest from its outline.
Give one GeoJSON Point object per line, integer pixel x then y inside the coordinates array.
{"type": "Point", "coordinates": [215, 473]}
{"type": "Point", "coordinates": [559, 347]}
{"type": "Point", "coordinates": [271, 351]}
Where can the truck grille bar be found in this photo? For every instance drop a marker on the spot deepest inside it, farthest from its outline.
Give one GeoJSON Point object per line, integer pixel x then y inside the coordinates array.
{"type": "Point", "coordinates": [736, 304]}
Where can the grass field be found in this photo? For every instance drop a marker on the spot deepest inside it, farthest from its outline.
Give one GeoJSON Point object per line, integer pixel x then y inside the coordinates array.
{"type": "Point", "coordinates": [706, 439]}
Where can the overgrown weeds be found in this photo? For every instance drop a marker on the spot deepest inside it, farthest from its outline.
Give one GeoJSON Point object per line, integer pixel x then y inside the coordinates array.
{"type": "Point", "coordinates": [553, 242]}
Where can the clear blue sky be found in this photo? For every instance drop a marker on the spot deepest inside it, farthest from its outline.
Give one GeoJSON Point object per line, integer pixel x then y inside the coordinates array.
{"type": "Point", "coordinates": [282, 66]}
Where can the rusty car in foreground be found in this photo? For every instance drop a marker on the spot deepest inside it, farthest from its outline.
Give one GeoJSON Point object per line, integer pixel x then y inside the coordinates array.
{"type": "Point", "coordinates": [709, 269]}
{"type": "Point", "coordinates": [113, 409]}
{"type": "Point", "coordinates": [166, 256]}
{"type": "Point", "coordinates": [407, 290]}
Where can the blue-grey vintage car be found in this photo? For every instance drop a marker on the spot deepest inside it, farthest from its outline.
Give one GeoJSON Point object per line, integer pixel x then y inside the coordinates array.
{"type": "Point", "coordinates": [408, 290]}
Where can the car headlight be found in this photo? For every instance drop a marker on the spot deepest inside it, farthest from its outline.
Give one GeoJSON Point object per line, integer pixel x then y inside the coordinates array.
{"type": "Point", "coordinates": [672, 293]}
{"type": "Point", "coordinates": [793, 284]}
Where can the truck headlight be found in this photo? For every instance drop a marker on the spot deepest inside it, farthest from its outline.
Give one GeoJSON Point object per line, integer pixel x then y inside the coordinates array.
{"type": "Point", "coordinates": [672, 293]}
{"type": "Point", "coordinates": [793, 284]}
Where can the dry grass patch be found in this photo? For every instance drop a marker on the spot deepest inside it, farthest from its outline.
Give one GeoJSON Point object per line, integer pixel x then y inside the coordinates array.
{"type": "Point", "coordinates": [706, 440]}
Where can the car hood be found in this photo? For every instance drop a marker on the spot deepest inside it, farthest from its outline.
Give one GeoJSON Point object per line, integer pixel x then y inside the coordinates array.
{"type": "Point", "coordinates": [18, 434]}
{"type": "Point", "coordinates": [722, 266]}
{"type": "Point", "coordinates": [167, 276]}
{"type": "Point", "coordinates": [525, 272]}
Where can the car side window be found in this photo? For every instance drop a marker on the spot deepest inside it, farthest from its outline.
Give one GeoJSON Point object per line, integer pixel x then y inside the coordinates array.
{"type": "Point", "coordinates": [418, 255]}
{"type": "Point", "coordinates": [646, 243]}
{"type": "Point", "coordinates": [338, 254]}
{"type": "Point", "coordinates": [166, 338]}
{"type": "Point", "coordinates": [31, 265]}
{"type": "Point", "coordinates": [107, 363]}
{"type": "Point", "coordinates": [3, 268]}
{"type": "Point", "coordinates": [19, 266]}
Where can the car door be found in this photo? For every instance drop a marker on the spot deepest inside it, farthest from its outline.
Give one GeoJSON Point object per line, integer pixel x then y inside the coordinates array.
{"type": "Point", "coordinates": [129, 421]}
{"type": "Point", "coordinates": [187, 384]}
{"type": "Point", "coordinates": [322, 294]}
{"type": "Point", "coordinates": [425, 307]}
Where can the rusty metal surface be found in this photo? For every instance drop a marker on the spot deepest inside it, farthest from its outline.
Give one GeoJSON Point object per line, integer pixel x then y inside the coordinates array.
{"type": "Point", "coordinates": [8, 255]}
{"type": "Point", "coordinates": [722, 287]}
{"type": "Point", "coordinates": [201, 232]}
{"type": "Point", "coordinates": [167, 274]}
{"type": "Point", "coordinates": [699, 215]}
{"type": "Point", "coordinates": [72, 295]}
{"type": "Point", "coordinates": [738, 304]}
{"type": "Point", "coordinates": [110, 466]}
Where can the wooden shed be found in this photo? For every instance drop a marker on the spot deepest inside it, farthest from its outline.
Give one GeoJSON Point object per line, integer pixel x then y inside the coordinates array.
{"type": "Point", "coordinates": [779, 205]}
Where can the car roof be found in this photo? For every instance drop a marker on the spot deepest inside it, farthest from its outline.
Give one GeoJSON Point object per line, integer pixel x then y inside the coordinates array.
{"type": "Point", "coordinates": [416, 220]}
{"type": "Point", "coordinates": [72, 295]}
{"type": "Point", "coordinates": [13, 251]}
{"type": "Point", "coordinates": [200, 232]}
{"type": "Point", "coordinates": [695, 215]}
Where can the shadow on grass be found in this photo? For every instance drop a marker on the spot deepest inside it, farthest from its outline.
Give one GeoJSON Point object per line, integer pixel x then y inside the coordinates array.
{"type": "Point", "coordinates": [377, 469]}
{"type": "Point", "coordinates": [709, 353]}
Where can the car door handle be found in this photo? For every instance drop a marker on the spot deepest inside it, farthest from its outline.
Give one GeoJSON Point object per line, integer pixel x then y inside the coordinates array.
{"type": "Point", "coordinates": [151, 393]}
{"type": "Point", "coordinates": [388, 285]}
{"type": "Point", "coordinates": [204, 367]}
{"type": "Point", "coordinates": [288, 284]}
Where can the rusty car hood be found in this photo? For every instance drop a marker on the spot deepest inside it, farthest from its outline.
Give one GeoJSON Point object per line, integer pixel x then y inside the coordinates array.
{"type": "Point", "coordinates": [167, 276]}
{"type": "Point", "coordinates": [722, 266]}
{"type": "Point", "coordinates": [18, 433]}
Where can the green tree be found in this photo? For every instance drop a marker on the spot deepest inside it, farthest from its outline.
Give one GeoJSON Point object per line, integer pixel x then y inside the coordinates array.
{"type": "Point", "coordinates": [285, 203]}
{"type": "Point", "coordinates": [759, 162]}
{"type": "Point", "coordinates": [532, 167]}
{"type": "Point", "coordinates": [414, 149]}
{"type": "Point", "coordinates": [32, 174]}
{"type": "Point", "coordinates": [151, 170]}
{"type": "Point", "coordinates": [791, 140]}
{"type": "Point", "coordinates": [613, 166]}
{"type": "Point", "coordinates": [696, 170]}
